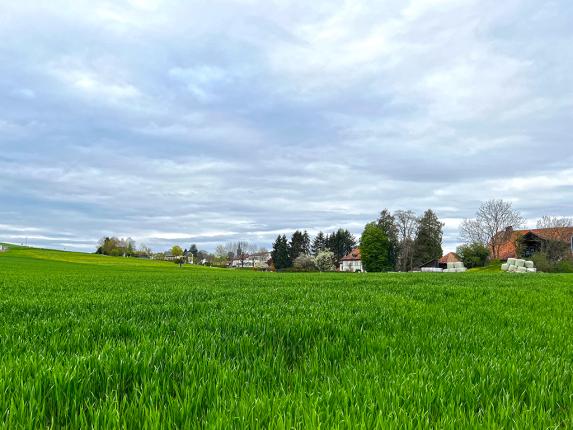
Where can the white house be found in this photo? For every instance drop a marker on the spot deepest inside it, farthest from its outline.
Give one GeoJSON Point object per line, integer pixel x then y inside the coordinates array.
{"type": "Point", "coordinates": [259, 260]}
{"type": "Point", "coordinates": [352, 262]}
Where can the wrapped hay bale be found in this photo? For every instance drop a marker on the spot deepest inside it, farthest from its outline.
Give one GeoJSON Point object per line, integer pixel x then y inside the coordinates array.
{"type": "Point", "coordinates": [529, 264]}
{"type": "Point", "coordinates": [511, 261]}
{"type": "Point", "coordinates": [512, 268]}
{"type": "Point", "coordinates": [505, 267]}
{"type": "Point", "coordinates": [531, 270]}
{"type": "Point", "coordinates": [520, 263]}
{"type": "Point", "coordinates": [521, 269]}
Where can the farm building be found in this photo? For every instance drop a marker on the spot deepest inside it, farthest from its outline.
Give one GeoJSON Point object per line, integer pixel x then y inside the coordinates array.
{"type": "Point", "coordinates": [442, 262]}
{"type": "Point", "coordinates": [352, 262]}
{"type": "Point", "coordinates": [531, 241]}
{"type": "Point", "coordinates": [259, 260]}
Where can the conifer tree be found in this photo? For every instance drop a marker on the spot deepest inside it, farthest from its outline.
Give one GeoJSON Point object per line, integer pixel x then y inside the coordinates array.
{"type": "Point", "coordinates": [280, 253]}
{"type": "Point", "coordinates": [428, 242]}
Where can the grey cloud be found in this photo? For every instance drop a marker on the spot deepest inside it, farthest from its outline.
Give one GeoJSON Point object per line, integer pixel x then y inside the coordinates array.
{"type": "Point", "coordinates": [186, 122]}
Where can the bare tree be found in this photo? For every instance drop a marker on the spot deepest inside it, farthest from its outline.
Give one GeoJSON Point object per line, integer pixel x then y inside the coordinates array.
{"type": "Point", "coordinates": [239, 250]}
{"type": "Point", "coordinates": [492, 226]}
{"type": "Point", "coordinates": [554, 222]}
{"type": "Point", "coordinates": [407, 223]}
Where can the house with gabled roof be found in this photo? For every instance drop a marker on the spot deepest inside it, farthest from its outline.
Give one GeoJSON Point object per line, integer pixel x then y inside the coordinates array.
{"type": "Point", "coordinates": [352, 262]}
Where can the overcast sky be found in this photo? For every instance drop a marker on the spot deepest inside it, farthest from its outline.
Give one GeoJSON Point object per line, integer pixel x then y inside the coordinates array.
{"type": "Point", "coordinates": [179, 122]}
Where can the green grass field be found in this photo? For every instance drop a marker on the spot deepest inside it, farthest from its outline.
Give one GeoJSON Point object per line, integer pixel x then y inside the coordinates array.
{"type": "Point", "coordinates": [98, 342]}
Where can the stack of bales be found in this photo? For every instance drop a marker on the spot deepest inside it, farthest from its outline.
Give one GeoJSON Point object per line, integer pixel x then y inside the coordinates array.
{"type": "Point", "coordinates": [455, 267]}
{"type": "Point", "coordinates": [432, 269]}
{"type": "Point", "coordinates": [517, 265]}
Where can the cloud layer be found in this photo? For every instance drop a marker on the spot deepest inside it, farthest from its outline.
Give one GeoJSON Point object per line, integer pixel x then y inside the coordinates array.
{"type": "Point", "coordinates": [192, 122]}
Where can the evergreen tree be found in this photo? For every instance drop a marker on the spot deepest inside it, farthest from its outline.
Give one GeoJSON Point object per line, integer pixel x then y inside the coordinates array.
{"type": "Point", "coordinates": [280, 253]}
{"type": "Point", "coordinates": [387, 223]}
{"type": "Point", "coordinates": [319, 243]}
{"type": "Point", "coordinates": [340, 243]}
{"type": "Point", "coordinates": [375, 249]}
{"type": "Point", "coordinates": [299, 245]}
{"type": "Point", "coordinates": [306, 243]}
{"type": "Point", "coordinates": [428, 242]}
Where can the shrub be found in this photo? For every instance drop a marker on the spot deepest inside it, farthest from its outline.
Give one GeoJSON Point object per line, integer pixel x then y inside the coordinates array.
{"type": "Point", "coordinates": [544, 264]}
{"type": "Point", "coordinates": [304, 263]}
{"type": "Point", "coordinates": [324, 261]}
{"type": "Point", "coordinates": [473, 254]}
{"type": "Point", "coordinates": [564, 266]}
{"type": "Point", "coordinates": [541, 262]}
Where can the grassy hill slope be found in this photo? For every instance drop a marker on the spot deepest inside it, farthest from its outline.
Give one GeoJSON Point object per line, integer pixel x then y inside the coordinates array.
{"type": "Point", "coordinates": [92, 341]}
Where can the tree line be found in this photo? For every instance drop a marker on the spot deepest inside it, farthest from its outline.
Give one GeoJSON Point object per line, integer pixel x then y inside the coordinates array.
{"type": "Point", "coordinates": [401, 241]}
{"type": "Point", "coordinates": [323, 253]}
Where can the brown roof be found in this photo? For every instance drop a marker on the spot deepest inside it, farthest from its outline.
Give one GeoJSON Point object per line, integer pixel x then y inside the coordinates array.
{"type": "Point", "coordinates": [450, 257]}
{"type": "Point", "coordinates": [353, 256]}
{"type": "Point", "coordinates": [508, 250]}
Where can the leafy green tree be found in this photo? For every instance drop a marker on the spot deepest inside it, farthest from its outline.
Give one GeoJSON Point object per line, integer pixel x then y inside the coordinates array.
{"type": "Point", "coordinates": [176, 251]}
{"type": "Point", "coordinates": [387, 223]}
{"type": "Point", "coordinates": [116, 247]}
{"type": "Point", "coordinates": [473, 254]}
{"type": "Point", "coordinates": [375, 249]}
{"type": "Point", "coordinates": [324, 261]}
{"type": "Point", "coordinates": [280, 253]}
{"type": "Point", "coordinates": [428, 242]}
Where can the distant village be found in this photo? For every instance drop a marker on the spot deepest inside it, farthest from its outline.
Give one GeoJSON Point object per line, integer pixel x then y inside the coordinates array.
{"type": "Point", "coordinates": [401, 241]}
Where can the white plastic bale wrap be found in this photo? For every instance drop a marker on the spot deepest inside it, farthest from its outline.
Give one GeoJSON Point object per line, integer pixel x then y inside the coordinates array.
{"type": "Point", "coordinates": [521, 269]}
{"type": "Point", "coordinates": [511, 261]}
{"type": "Point", "coordinates": [504, 267]}
{"type": "Point", "coordinates": [531, 270]}
{"type": "Point", "coordinates": [529, 264]}
{"type": "Point", "coordinates": [520, 263]}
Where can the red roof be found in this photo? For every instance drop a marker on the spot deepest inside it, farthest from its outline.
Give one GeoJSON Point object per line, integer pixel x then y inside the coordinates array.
{"type": "Point", "coordinates": [353, 256]}
{"type": "Point", "coordinates": [450, 257]}
{"type": "Point", "coordinates": [508, 250]}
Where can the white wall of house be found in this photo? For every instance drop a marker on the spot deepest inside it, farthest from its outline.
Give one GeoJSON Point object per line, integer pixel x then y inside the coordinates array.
{"type": "Point", "coordinates": [258, 261]}
{"type": "Point", "coordinates": [351, 266]}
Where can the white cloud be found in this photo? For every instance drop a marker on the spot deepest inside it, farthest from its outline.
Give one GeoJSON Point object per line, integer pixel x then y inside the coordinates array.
{"type": "Point", "coordinates": [192, 121]}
